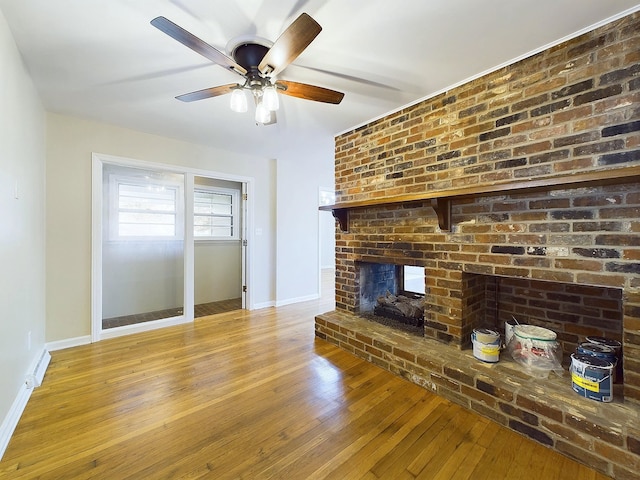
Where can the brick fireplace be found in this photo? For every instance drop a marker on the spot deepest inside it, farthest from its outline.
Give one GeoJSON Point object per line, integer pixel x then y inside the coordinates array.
{"type": "Point", "coordinates": [563, 255]}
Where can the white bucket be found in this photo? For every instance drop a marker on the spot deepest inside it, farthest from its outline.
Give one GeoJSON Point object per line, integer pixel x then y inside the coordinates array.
{"type": "Point", "coordinates": [486, 352]}
{"type": "Point", "coordinates": [486, 345]}
{"type": "Point", "coordinates": [534, 347]}
{"type": "Point", "coordinates": [534, 337]}
{"type": "Point", "coordinates": [485, 335]}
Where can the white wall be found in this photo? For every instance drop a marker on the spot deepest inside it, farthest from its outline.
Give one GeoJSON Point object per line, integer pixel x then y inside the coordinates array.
{"type": "Point", "coordinates": [299, 182]}
{"type": "Point", "coordinates": [70, 142]}
{"type": "Point", "coordinates": [22, 234]}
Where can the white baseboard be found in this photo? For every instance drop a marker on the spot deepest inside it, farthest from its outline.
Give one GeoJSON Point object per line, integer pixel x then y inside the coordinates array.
{"type": "Point", "coordinates": [33, 379]}
{"type": "Point", "coordinates": [10, 422]}
{"type": "Point", "coordinates": [259, 306]}
{"type": "Point", "coordinates": [289, 301]}
{"type": "Point", "coordinates": [68, 343]}
{"type": "Point", "coordinates": [143, 327]}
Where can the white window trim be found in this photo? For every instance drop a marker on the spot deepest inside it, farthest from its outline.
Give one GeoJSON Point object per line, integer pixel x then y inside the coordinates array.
{"type": "Point", "coordinates": [115, 180]}
{"type": "Point", "coordinates": [235, 215]}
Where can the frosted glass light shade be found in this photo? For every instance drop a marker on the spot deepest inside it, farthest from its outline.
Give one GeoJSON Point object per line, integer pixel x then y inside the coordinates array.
{"type": "Point", "coordinates": [262, 114]}
{"type": "Point", "coordinates": [270, 99]}
{"type": "Point", "coordinates": [238, 101]}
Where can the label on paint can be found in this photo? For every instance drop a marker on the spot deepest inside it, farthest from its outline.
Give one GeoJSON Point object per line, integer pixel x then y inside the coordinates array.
{"type": "Point", "coordinates": [487, 352]}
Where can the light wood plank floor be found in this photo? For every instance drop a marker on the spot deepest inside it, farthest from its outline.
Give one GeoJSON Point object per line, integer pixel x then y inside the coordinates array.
{"type": "Point", "coordinates": [254, 395]}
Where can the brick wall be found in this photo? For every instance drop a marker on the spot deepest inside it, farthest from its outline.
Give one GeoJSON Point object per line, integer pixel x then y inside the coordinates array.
{"type": "Point", "coordinates": [570, 109]}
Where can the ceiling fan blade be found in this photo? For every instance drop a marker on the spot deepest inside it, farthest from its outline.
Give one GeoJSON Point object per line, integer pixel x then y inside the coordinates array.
{"type": "Point", "coordinates": [289, 45]}
{"type": "Point", "coordinates": [194, 43]}
{"type": "Point", "coordinates": [309, 92]}
{"type": "Point", "coordinates": [208, 93]}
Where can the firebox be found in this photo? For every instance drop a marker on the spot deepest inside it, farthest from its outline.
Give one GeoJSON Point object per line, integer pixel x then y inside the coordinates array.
{"type": "Point", "coordinates": [393, 295]}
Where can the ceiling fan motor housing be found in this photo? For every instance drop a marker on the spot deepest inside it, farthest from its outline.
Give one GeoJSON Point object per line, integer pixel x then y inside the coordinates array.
{"type": "Point", "coordinates": [249, 55]}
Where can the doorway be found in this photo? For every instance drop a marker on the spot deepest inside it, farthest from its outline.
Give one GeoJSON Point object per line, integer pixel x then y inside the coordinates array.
{"type": "Point", "coordinates": [164, 240]}
{"type": "Point", "coordinates": [219, 250]}
{"type": "Point", "coordinates": [326, 243]}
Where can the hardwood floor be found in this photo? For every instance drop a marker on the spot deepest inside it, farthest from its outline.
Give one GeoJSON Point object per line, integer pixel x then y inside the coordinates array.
{"type": "Point", "coordinates": [201, 310]}
{"type": "Point", "coordinates": [213, 308]}
{"type": "Point", "coordinates": [253, 395]}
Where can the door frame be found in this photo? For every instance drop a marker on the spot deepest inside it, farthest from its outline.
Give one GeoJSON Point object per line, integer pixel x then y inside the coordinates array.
{"type": "Point", "coordinates": [98, 160]}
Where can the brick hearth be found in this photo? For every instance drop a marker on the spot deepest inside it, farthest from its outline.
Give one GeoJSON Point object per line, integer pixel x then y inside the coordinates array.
{"type": "Point", "coordinates": [604, 436]}
{"type": "Point", "coordinates": [571, 109]}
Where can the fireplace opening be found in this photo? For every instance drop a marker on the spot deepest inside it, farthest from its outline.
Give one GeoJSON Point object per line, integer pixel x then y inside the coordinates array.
{"type": "Point", "coordinates": [393, 295]}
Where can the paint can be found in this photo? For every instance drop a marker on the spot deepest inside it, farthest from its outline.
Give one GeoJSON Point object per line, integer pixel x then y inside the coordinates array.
{"type": "Point", "coordinates": [599, 350]}
{"type": "Point", "coordinates": [508, 330]}
{"type": "Point", "coordinates": [592, 377]}
{"type": "Point", "coordinates": [486, 345]}
{"type": "Point", "coordinates": [608, 342]}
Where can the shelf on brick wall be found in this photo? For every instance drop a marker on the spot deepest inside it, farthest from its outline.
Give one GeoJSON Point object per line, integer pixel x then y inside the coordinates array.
{"type": "Point", "coordinates": [440, 200]}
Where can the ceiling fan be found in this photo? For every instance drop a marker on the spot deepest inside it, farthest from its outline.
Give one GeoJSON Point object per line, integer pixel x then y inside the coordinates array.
{"type": "Point", "coordinates": [258, 61]}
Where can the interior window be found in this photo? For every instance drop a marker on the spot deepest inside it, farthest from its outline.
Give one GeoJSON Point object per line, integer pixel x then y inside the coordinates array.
{"type": "Point", "coordinates": [215, 213]}
{"type": "Point", "coordinates": [144, 209]}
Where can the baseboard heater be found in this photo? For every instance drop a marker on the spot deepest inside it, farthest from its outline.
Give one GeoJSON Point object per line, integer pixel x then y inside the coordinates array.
{"type": "Point", "coordinates": [34, 379]}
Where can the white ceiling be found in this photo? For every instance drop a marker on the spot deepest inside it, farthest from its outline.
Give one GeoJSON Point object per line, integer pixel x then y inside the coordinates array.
{"type": "Point", "coordinates": [101, 59]}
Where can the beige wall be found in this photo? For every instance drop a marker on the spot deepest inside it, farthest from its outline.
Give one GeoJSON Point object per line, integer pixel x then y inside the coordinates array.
{"type": "Point", "coordinates": [70, 143]}
{"type": "Point", "coordinates": [22, 235]}
{"type": "Point", "coordinates": [217, 271]}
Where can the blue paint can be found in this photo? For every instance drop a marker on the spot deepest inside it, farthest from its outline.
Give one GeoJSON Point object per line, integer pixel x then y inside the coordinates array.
{"type": "Point", "coordinates": [607, 342]}
{"type": "Point", "coordinates": [617, 347]}
{"type": "Point", "coordinates": [598, 350]}
{"type": "Point", "coordinates": [592, 377]}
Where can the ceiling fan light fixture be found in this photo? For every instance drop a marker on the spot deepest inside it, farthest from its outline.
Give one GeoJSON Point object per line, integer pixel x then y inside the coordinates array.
{"type": "Point", "coordinates": [270, 98]}
{"type": "Point", "coordinates": [258, 61]}
{"type": "Point", "coordinates": [263, 115]}
{"type": "Point", "coordinates": [238, 101]}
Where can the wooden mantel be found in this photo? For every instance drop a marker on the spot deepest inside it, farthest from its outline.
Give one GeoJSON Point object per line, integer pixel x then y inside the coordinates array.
{"type": "Point", "coordinates": [441, 199]}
